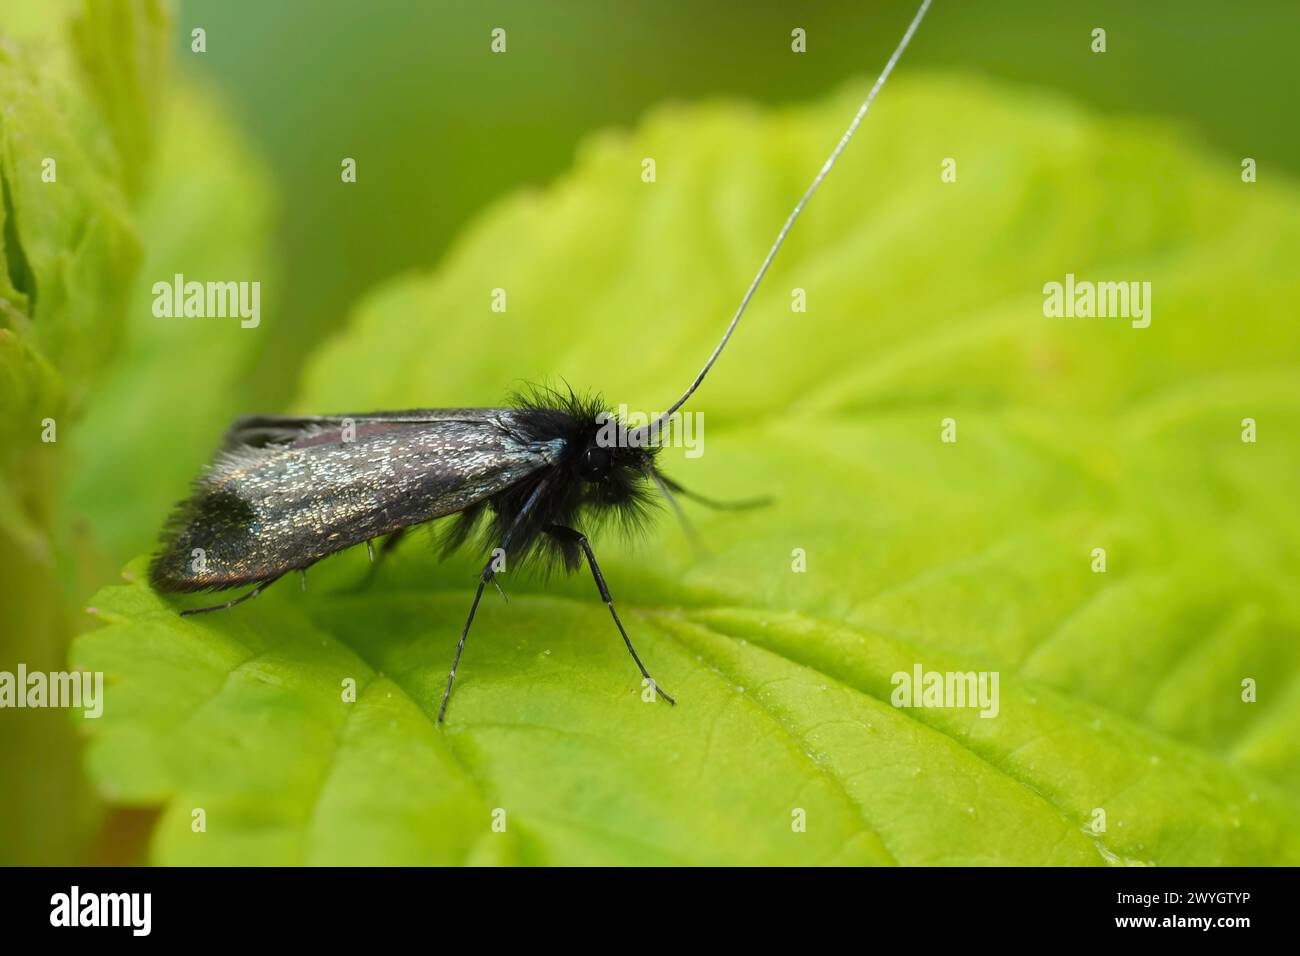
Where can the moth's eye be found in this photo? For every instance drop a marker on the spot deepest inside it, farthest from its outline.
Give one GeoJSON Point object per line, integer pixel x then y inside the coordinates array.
{"type": "Point", "coordinates": [595, 463]}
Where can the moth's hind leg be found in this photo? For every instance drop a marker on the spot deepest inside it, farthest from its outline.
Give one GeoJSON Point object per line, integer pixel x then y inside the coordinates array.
{"type": "Point", "coordinates": [239, 600]}
{"type": "Point", "coordinates": [571, 537]}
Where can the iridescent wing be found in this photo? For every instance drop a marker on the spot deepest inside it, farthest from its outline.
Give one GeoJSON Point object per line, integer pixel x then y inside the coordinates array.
{"type": "Point", "coordinates": [285, 492]}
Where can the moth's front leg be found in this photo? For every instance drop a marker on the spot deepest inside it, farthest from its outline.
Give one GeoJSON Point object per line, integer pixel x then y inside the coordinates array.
{"type": "Point", "coordinates": [570, 536]}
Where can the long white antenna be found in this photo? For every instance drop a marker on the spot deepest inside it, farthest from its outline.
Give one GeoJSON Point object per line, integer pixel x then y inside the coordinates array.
{"type": "Point", "coordinates": [637, 437]}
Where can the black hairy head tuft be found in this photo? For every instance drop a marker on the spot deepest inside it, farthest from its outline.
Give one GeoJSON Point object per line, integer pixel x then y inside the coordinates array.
{"type": "Point", "coordinates": [597, 480]}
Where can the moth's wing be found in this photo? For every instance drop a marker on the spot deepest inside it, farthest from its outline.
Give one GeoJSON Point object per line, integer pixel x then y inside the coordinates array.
{"type": "Point", "coordinates": [258, 431]}
{"type": "Point", "coordinates": [260, 510]}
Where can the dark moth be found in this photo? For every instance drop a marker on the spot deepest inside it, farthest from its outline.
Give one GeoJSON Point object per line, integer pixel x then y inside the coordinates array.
{"type": "Point", "coordinates": [285, 492]}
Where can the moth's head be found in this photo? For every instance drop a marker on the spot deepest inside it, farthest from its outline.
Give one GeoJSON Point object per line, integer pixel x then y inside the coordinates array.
{"type": "Point", "coordinates": [612, 470]}
{"type": "Point", "coordinates": [605, 464]}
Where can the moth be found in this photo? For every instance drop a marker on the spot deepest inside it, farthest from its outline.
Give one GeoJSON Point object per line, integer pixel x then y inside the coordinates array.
{"type": "Point", "coordinates": [284, 492]}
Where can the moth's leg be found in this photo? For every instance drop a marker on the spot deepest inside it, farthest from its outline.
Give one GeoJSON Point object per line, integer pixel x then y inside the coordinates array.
{"type": "Point", "coordinates": [500, 590]}
{"type": "Point", "coordinates": [377, 557]}
{"type": "Point", "coordinates": [487, 575]}
{"type": "Point", "coordinates": [229, 604]}
{"type": "Point", "coordinates": [561, 533]}
{"type": "Point", "coordinates": [483, 579]}
{"type": "Point", "coordinates": [711, 502]}
{"type": "Point", "coordinates": [692, 535]}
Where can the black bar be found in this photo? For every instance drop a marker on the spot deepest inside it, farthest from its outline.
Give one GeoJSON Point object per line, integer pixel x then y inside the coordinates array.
{"type": "Point", "coordinates": [333, 906]}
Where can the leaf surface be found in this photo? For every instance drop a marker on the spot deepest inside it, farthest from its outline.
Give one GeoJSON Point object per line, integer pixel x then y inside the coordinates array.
{"type": "Point", "coordinates": [1119, 691]}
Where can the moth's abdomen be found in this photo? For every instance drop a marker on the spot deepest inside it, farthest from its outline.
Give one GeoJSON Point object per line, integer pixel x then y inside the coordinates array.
{"type": "Point", "coordinates": [260, 512]}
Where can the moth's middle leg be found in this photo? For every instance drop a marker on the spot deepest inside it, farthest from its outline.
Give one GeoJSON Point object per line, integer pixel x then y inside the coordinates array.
{"type": "Point", "coordinates": [488, 574]}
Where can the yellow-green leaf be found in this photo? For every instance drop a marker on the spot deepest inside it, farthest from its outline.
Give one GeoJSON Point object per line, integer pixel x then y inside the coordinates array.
{"type": "Point", "coordinates": [1120, 691]}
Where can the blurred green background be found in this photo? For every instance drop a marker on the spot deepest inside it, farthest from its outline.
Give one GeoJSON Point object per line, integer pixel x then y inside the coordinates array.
{"type": "Point", "coordinates": [441, 129]}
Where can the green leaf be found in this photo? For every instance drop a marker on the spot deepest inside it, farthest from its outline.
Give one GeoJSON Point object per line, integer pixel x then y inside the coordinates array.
{"type": "Point", "coordinates": [68, 251]}
{"type": "Point", "coordinates": [1119, 691]}
{"type": "Point", "coordinates": [69, 244]}
{"type": "Point", "coordinates": [121, 47]}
